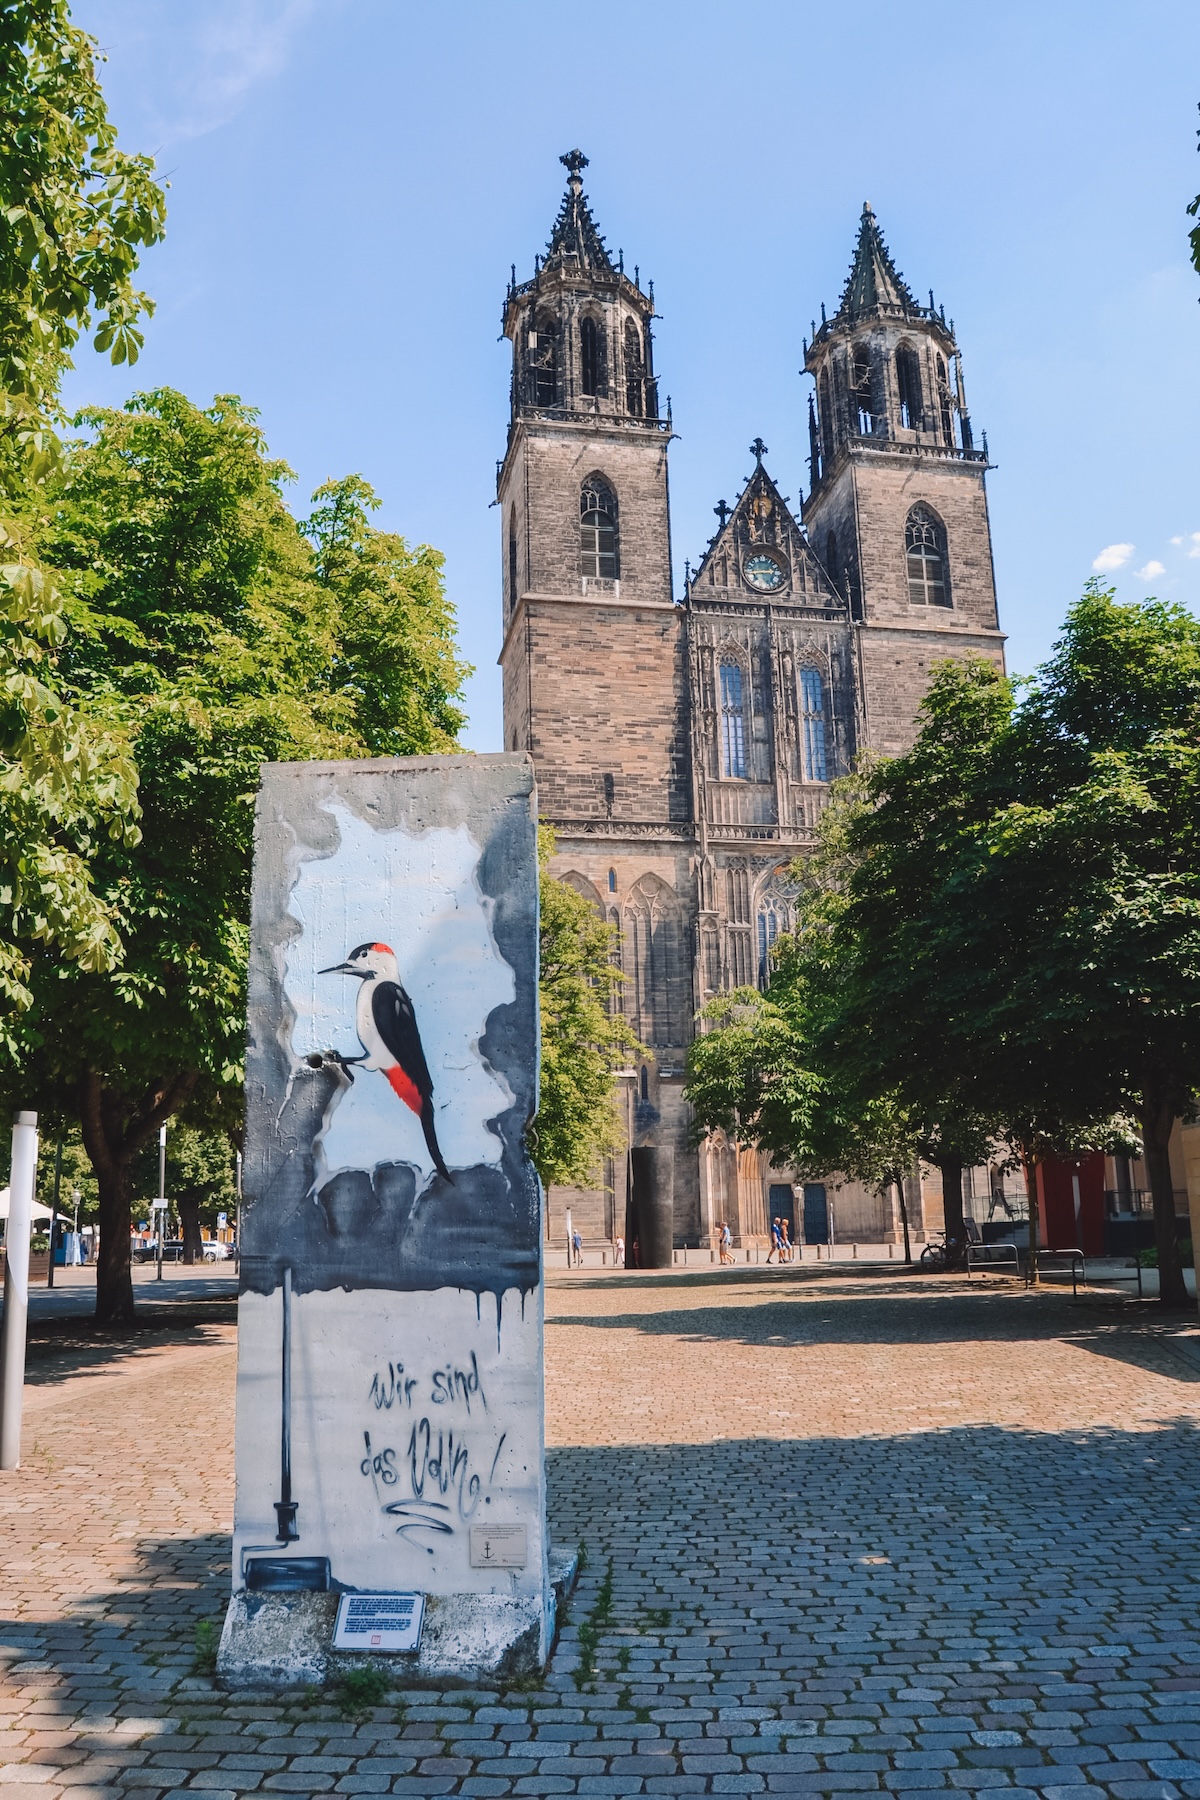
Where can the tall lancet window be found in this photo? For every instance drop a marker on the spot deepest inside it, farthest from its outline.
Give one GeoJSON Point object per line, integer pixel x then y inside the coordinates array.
{"type": "Point", "coordinates": [592, 373]}
{"type": "Point", "coordinates": [925, 548]}
{"type": "Point", "coordinates": [598, 530]}
{"type": "Point", "coordinates": [543, 362]}
{"type": "Point", "coordinates": [733, 722]}
{"type": "Point", "coordinates": [635, 370]}
{"type": "Point", "coordinates": [908, 382]}
{"type": "Point", "coordinates": [812, 719]}
{"type": "Point", "coordinates": [943, 389]}
{"type": "Point", "coordinates": [862, 405]}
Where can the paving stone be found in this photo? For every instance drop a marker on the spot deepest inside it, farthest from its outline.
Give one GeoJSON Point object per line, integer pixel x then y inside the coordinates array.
{"type": "Point", "coordinates": [1005, 1649]}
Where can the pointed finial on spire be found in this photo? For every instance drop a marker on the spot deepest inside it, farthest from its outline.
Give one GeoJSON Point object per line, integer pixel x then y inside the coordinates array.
{"type": "Point", "coordinates": [574, 162]}
{"type": "Point", "coordinates": [758, 450]}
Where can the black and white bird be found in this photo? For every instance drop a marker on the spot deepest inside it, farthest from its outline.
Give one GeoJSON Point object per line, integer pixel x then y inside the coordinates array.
{"type": "Point", "coordinates": [387, 1028]}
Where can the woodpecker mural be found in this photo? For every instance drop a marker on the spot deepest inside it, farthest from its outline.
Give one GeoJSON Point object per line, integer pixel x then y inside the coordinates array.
{"type": "Point", "coordinates": [387, 1030]}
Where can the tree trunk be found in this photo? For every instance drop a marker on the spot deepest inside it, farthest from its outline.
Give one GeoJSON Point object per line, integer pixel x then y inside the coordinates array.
{"type": "Point", "coordinates": [114, 1282]}
{"type": "Point", "coordinates": [112, 1135]}
{"type": "Point", "coordinates": [952, 1208]}
{"type": "Point", "coordinates": [188, 1202]}
{"type": "Point", "coordinates": [904, 1219]}
{"type": "Point", "coordinates": [1158, 1120]}
{"type": "Point", "coordinates": [1031, 1188]}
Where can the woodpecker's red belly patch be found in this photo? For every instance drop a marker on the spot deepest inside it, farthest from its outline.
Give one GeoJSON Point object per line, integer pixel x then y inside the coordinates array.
{"type": "Point", "coordinates": [404, 1088]}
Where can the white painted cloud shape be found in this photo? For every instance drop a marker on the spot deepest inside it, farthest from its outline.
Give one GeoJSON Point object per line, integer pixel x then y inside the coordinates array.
{"type": "Point", "coordinates": [417, 892]}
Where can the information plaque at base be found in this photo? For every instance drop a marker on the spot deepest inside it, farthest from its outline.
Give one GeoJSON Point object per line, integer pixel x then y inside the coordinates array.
{"type": "Point", "coordinates": [379, 1622]}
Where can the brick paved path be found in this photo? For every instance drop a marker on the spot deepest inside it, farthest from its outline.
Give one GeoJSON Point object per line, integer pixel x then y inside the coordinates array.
{"type": "Point", "coordinates": [865, 1533]}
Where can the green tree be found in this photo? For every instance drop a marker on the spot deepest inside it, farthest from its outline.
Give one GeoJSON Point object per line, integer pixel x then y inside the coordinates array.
{"type": "Point", "coordinates": [396, 668]}
{"type": "Point", "coordinates": [1106, 823]}
{"type": "Point", "coordinates": [75, 213]}
{"type": "Point", "coordinates": [585, 1037]}
{"type": "Point", "coordinates": [780, 1072]}
{"type": "Point", "coordinates": [204, 628]}
{"type": "Point", "coordinates": [200, 1181]}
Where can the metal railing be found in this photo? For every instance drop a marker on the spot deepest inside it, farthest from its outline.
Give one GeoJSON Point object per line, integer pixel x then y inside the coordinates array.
{"type": "Point", "coordinates": [985, 1256]}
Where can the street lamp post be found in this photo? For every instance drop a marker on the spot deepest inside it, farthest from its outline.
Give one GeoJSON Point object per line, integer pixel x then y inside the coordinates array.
{"type": "Point", "coordinates": [54, 1206]}
{"type": "Point", "coordinates": [161, 1203]}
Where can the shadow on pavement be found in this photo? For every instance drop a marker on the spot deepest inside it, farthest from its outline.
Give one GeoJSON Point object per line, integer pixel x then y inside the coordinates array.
{"type": "Point", "coordinates": [965, 1544]}
{"type": "Point", "coordinates": [1104, 1325]}
{"type": "Point", "coordinates": [62, 1348]}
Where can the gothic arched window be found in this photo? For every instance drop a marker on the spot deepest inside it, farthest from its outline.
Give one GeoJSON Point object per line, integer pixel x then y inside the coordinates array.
{"type": "Point", "coordinates": [543, 362]}
{"type": "Point", "coordinates": [908, 383]}
{"type": "Point", "coordinates": [862, 407]}
{"type": "Point", "coordinates": [733, 722]}
{"type": "Point", "coordinates": [925, 547]}
{"type": "Point", "coordinates": [635, 370]}
{"type": "Point", "coordinates": [512, 556]}
{"type": "Point", "coordinates": [598, 529]}
{"type": "Point", "coordinates": [656, 963]}
{"type": "Point", "coordinates": [593, 376]}
{"type": "Point", "coordinates": [812, 724]}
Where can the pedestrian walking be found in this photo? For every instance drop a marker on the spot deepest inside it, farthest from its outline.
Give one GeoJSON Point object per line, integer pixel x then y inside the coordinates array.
{"type": "Point", "coordinates": [785, 1242]}
{"type": "Point", "coordinates": [619, 1253]}
{"type": "Point", "coordinates": [576, 1249]}
{"type": "Point", "coordinates": [776, 1249]}
{"type": "Point", "coordinates": [726, 1244]}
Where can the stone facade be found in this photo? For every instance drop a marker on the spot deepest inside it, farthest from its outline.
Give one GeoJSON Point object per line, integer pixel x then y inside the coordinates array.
{"type": "Point", "coordinates": [684, 747]}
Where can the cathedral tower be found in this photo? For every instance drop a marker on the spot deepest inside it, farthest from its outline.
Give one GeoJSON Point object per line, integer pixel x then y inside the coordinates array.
{"type": "Point", "coordinates": [898, 511]}
{"type": "Point", "coordinates": [594, 659]}
{"type": "Point", "coordinates": [591, 657]}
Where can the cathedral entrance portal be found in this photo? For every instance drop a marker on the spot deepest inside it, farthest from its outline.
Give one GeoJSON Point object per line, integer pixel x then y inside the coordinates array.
{"type": "Point", "coordinates": [816, 1213]}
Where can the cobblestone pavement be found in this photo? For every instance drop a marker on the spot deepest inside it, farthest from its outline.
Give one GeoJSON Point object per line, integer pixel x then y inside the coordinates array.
{"type": "Point", "coordinates": [844, 1533]}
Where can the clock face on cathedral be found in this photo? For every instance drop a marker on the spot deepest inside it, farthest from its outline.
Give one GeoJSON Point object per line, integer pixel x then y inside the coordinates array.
{"type": "Point", "coordinates": [762, 572]}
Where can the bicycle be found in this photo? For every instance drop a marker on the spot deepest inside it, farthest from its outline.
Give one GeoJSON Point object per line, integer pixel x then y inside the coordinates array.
{"type": "Point", "coordinates": [933, 1256]}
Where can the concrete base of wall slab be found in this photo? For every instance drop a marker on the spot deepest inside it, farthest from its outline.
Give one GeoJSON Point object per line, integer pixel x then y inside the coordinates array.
{"type": "Point", "coordinates": [281, 1641]}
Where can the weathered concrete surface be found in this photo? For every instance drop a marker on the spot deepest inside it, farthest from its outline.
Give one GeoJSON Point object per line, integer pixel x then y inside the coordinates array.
{"type": "Point", "coordinates": [390, 1387]}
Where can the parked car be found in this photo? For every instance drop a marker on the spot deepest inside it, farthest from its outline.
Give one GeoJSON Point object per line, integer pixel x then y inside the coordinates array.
{"type": "Point", "coordinates": [217, 1252]}
{"type": "Point", "coordinates": [147, 1252]}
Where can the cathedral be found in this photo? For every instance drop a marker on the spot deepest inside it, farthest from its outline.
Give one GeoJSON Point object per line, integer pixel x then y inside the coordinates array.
{"type": "Point", "coordinates": [684, 742]}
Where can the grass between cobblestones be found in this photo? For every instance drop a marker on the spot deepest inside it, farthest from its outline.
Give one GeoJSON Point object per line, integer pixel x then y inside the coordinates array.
{"type": "Point", "coordinates": [840, 1541]}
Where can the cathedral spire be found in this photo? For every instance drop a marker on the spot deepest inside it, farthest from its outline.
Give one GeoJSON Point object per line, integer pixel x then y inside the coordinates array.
{"type": "Point", "coordinates": [873, 282]}
{"type": "Point", "coordinates": [575, 243]}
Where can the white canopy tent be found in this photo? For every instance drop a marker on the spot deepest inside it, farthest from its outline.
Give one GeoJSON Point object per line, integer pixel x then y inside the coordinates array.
{"type": "Point", "coordinates": [40, 1213]}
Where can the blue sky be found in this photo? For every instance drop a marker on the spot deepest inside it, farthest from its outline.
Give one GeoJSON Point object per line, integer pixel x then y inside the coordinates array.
{"type": "Point", "coordinates": [351, 179]}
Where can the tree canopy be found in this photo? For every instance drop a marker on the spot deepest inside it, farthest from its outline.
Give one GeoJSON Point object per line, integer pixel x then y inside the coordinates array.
{"type": "Point", "coordinates": [211, 635]}
{"type": "Point", "coordinates": [76, 212]}
{"type": "Point", "coordinates": [1001, 935]}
